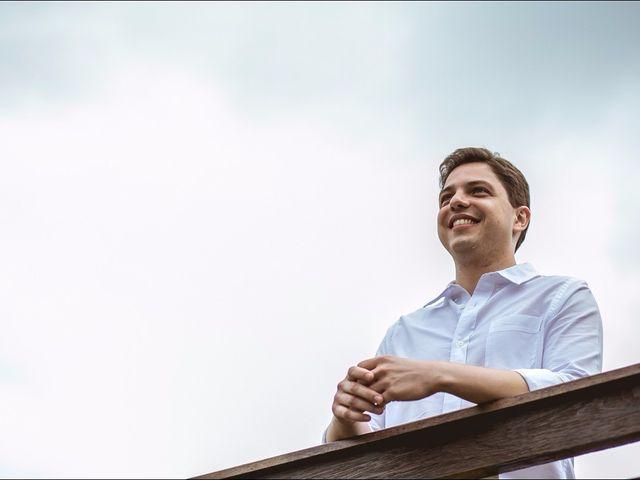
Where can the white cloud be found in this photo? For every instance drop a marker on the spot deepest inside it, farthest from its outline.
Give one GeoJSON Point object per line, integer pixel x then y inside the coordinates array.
{"type": "Point", "coordinates": [167, 254]}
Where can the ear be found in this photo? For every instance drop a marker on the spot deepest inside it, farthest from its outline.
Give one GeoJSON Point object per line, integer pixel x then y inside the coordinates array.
{"type": "Point", "coordinates": [522, 219]}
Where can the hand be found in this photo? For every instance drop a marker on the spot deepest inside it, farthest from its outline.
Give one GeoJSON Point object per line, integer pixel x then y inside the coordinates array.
{"type": "Point", "coordinates": [354, 397]}
{"type": "Point", "coordinates": [398, 378]}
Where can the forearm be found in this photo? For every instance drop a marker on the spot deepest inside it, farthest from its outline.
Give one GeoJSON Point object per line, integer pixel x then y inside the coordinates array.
{"type": "Point", "coordinates": [339, 430]}
{"type": "Point", "coordinates": [478, 384]}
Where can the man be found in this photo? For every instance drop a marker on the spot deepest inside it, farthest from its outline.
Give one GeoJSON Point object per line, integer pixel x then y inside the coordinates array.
{"type": "Point", "coordinates": [500, 329]}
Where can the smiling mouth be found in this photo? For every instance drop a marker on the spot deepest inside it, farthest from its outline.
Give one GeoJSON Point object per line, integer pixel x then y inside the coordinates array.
{"type": "Point", "coordinates": [463, 221]}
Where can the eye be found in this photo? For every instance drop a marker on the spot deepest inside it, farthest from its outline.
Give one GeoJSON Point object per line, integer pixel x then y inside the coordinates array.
{"type": "Point", "coordinates": [444, 200]}
{"type": "Point", "coordinates": [479, 190]}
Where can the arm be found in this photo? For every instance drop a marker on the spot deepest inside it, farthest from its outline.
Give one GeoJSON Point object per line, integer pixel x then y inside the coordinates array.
{"type": "Point", "coordinates": [572, 349]}
{"type": "Point", "coordinates": [398, 378]}
{"type": "Point", "coordinates": [480, 384]}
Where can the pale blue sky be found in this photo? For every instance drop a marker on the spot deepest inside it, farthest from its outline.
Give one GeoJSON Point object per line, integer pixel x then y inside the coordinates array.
{"type": "Point", "coordinates": [211, 209]}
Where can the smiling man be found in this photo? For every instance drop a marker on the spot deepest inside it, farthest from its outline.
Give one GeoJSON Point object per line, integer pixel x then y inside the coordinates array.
{"type": "Point", "coordinates": [499, 329]}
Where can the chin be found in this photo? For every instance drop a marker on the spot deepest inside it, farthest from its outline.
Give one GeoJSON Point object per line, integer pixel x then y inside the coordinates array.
{"type": "Point", "coordinates": [461, 247]}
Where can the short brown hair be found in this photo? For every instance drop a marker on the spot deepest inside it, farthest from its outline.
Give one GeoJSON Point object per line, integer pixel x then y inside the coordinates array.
{"type": "Point", "coordinates": [511, 178]}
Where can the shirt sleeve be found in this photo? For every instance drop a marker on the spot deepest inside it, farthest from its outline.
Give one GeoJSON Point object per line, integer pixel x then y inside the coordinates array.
{"type": "Point", "coordinates": [572, 340]}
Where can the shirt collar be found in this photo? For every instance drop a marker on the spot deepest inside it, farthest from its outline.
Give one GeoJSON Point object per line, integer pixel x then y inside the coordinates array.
{"type": "Point", "coordinates": [448, 292]}
{"type": "Point", "coordinates": [517, 274]}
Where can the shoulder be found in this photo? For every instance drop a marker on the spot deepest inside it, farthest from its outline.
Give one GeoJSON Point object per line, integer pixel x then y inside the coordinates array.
{"type": "Point", "coordinates": [431, 310]}
{"type": "Point", "coordinates": [422, 318]}
{"type": "Point", "coordinates": [420, 331]}
{"type": "Point", "coordinates": [558, 284]}
{"type": "Point", "coordinates": [553, 286]}
{"type": "Point", "coordinates": [526, 277]}
{"type": "Point", "coordinates": [558, 291]}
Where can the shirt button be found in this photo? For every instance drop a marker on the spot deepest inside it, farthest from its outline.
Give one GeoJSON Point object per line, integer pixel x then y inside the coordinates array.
{"type": "Point", "coordinates": [460, 343]}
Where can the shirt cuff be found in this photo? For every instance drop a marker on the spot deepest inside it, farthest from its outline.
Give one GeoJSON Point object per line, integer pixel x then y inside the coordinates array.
{"type": "Point", "coordinates": [538, 378]}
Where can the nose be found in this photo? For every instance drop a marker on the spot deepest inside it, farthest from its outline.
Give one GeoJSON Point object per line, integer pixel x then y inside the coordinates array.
{"type": "Point", "coordinates": [458, 202]}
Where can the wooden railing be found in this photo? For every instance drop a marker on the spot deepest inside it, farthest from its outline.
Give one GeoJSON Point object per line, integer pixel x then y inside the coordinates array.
{"type": "Point", "coordinates": [573, 418]}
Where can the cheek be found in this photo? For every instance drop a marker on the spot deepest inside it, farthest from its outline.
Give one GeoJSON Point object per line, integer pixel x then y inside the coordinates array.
{"type": "Point", "coordinates": [442, 230]}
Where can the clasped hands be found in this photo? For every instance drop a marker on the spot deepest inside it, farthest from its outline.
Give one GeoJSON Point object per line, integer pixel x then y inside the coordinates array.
{"type": "Point", "coordinates": [374, 382]}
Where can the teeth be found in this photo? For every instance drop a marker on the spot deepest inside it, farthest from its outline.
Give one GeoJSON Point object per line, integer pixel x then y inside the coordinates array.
{"type": "Point", "coordinates": [463, 221]}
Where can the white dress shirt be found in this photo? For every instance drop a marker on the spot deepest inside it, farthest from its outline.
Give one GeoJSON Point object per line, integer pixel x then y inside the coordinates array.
{"type": "Point", "coordinates": [546, 328]}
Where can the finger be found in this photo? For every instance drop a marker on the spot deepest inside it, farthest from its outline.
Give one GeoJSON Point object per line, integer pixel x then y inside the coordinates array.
{"type": "Point", "coordinates": [380, 385]}
{"type": "Point", "coordinates": [344, 413]}
{"type": "Point", "coordinates": [356, 403]}
{"type": "Point", "coordinates": [361, 391]}
{"type": "Point", "coordinates": [384, 390]}
{"type": "Point", "coordinates": [388, 396]}
{"type": "Point", "coordinates": [369, 363]}
{"type": "Point", "coordinates": [360, 374]}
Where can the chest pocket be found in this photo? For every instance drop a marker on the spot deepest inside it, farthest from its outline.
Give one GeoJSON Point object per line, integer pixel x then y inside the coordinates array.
{"type": "Point", "coordinates": [513, 342]}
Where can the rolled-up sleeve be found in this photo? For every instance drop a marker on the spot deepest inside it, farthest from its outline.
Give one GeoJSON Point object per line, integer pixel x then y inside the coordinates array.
{"type": "Point", "coordinates": [572, 345]}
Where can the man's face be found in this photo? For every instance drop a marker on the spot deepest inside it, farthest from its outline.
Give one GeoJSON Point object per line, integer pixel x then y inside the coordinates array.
{"type": "Point", "coordinates": [475, 215]}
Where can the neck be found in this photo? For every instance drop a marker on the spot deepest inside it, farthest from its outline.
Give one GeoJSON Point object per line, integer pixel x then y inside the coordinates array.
{"type": "Point", "coordinates": [469, 272]}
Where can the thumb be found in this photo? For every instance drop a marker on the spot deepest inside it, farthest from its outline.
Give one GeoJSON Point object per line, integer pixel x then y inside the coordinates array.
{"type": "Point", "coordinates": [369, 363]}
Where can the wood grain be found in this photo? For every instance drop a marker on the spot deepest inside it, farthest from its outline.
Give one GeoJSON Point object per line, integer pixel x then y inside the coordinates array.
{"type": "Point", "coordinates": [561, 421]}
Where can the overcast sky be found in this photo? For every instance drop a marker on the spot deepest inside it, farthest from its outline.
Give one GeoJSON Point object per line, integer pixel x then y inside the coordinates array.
{"type": "Point", "coordinates": [209, 211]}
